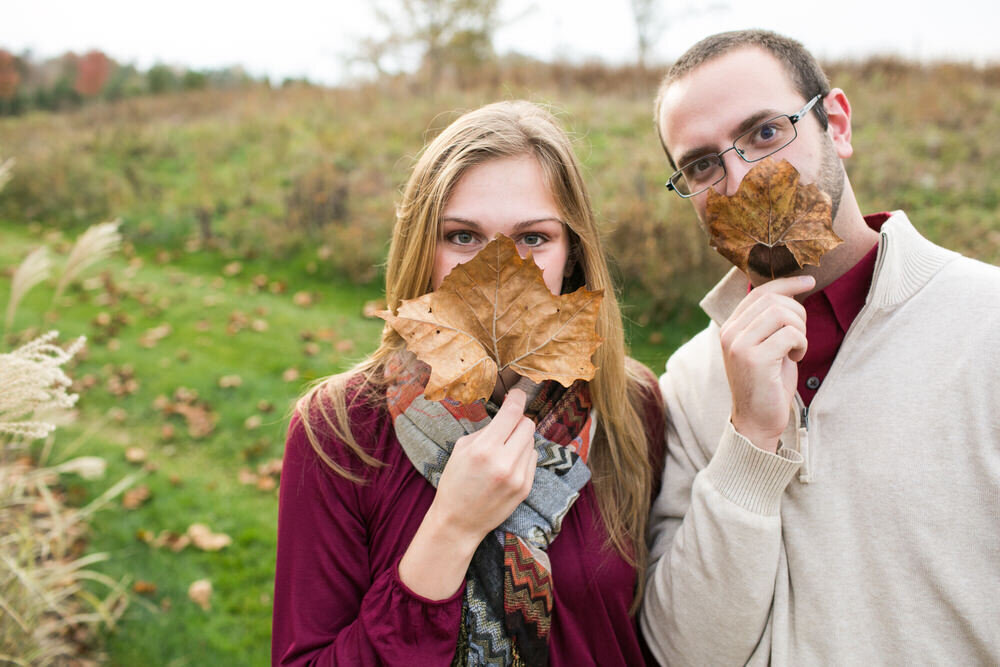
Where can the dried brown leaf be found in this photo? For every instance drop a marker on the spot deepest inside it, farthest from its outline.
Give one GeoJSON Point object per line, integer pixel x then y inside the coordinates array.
{"type": "Point", "coordinates": [144, 587]}
{"type": "Point", "coordinates": [495, 312]}
{"type": "Point", "coordinates": [134, 498]}
{"type": "Point", "coordinates": [200, 593]}
{"type": "Point", "coordinates": [770, 215]}
{"type": "Point", "coordinates": [203, 538]}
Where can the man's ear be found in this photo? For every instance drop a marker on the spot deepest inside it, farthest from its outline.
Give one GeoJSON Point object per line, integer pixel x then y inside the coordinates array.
{"type": "Point", "coordinates": [838, 113]}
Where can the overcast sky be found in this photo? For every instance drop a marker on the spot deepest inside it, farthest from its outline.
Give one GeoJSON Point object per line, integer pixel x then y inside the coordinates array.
{"type": "Point", "coordinates": [311, 37]}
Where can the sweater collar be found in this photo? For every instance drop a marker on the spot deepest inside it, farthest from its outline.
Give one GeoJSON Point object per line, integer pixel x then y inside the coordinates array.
{"type": "Point", "coordinates": [906, 261]}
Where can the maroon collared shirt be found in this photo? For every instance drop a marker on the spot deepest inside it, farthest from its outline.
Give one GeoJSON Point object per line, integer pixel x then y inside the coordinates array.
{"type": "Point", "coordinates": [829, 314]}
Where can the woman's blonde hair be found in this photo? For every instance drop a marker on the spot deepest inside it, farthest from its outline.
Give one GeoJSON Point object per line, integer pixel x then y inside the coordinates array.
{"type": "Point", "coordinates": [619, 459]}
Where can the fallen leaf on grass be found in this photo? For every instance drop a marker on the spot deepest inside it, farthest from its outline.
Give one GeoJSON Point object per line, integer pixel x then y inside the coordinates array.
{"type": "Point", "coordinates": [153, 336]}
{"type": "Point", "coordinates": [232, 269]}
{"type": "Point", "coordinates": [200, 593]}
{"type": "Point", "coordinates": [252, 422]}
{"type": "Point", "coordinates": [303, 299]}
{"type": "Point", "coordinates": [773, 225]}
{"type": "Point", "coordinates": [200, 418]}
{"type": "Point", "coordinates": [290, 375]}
{"type": "Point", "coordinates": [144, 587]}
{"type": "Point", "coordinates": [495, 312]}
{"type": "Point", "coordinates": [203, 538]}
{"type": "Point", "coordinates": [135, 454]}
{"type": "Point", "coordinates": [229, 381]}
{"type": "Point", "coordinates": [134, 498]}
{"type": "Point", "coordinates": [271, 467]}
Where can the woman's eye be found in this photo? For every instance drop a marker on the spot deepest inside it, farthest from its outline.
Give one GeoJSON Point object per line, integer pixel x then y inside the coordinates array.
{"type": "Point", "coordinates": [461, 238]}
{"type": "Point", "coordinates": [532, 240]}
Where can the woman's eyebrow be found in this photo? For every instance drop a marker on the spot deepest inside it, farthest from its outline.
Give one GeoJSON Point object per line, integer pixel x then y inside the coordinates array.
{"type": "Point", "coordinates": [517, 226]}
{"type": "Point", "coordinates": [535, 221]}
{"type": "Point", "coordinates": [461, 221]}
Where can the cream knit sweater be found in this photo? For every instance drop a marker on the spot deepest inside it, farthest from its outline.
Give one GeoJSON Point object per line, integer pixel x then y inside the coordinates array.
{"type": "Point", "coordinates": [873, 536]}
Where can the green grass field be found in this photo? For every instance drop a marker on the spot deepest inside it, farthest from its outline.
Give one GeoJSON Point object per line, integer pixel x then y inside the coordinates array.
{"type": "Point", "coordinates": [232, 294]}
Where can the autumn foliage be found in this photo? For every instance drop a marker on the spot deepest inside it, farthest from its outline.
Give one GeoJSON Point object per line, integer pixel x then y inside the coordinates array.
{"type": "Point", "coordinates": [9, 76]}
{"type": "Point", "coordinates": [92, 72]}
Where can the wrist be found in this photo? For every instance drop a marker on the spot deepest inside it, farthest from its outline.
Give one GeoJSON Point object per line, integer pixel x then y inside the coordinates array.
{"type": "Point", "coordinates": [446, 530]}
{"type": "Point", "coordinates": [760, 439]}
{"type": "Point", "coordinates": [437, 559]}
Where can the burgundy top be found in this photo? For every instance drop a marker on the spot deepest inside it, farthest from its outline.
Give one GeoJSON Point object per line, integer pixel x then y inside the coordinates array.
{"type": "Point", "coordinates": [829, 314]}
{"type": "Point", "coordinates": [338, 599]}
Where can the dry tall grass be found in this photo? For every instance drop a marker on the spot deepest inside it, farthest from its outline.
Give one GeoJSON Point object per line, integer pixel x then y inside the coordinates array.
{"type": "Point", "coordinates": [49, 610]}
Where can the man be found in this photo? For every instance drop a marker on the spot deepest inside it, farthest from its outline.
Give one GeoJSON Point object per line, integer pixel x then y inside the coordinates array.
{"type": "Point", "coordinates": [832, 488]}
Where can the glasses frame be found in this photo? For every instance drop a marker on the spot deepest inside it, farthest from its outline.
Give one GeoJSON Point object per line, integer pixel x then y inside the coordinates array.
{"type": "Point", "coordinates": [794, 118]}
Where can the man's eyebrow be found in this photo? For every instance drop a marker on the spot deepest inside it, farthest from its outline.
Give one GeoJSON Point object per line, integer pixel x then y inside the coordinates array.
{"type": "Point", "coordinates": [747, 124]}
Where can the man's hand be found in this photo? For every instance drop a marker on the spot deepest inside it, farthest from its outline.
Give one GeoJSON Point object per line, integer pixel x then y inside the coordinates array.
{"type": "Point", "coordinates": [762, 341]}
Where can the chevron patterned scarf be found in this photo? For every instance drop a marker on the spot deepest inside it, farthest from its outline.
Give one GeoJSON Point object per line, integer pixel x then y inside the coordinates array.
{"type": "Point", "coordinates": [507, 608]}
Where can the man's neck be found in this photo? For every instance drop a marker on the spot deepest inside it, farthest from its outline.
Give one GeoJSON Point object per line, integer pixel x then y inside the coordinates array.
{"type": "Point", "coordinates": [858, 239]}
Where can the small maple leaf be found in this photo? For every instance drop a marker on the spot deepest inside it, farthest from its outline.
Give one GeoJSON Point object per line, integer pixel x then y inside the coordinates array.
{"type": "Point", "coordinates": [771, 214]}
{"type": "Point", "coordinates": [495, 312]}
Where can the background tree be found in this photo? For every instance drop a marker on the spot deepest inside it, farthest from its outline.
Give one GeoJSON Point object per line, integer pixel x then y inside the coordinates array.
{"type": "Point", "coordinates": [93, 70]}
{"type": "Point", "coordinates": [652, 20]}
{"type": "Point", "coordinates": [438, 33]}
{"type": "Point", "coordinates": [9, 76]}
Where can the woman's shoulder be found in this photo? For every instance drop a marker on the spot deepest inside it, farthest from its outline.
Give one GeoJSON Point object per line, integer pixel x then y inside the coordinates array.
{"type": "Point", "coordinates": [336, 409]}
{"type": "Point", "coordinates": [644, 391]}
{"type": "Point", "coordinates": [644, 387]}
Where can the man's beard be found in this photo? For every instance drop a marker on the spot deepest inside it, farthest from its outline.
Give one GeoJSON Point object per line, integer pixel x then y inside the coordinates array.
{"type": "Point", "coordinates": [778, 261]}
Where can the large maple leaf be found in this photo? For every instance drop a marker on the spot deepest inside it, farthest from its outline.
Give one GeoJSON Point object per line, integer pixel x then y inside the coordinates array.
{"type": "Point", "coordinates": [495, 312]}
{"type": "Point", "coordinates": [770, 215]}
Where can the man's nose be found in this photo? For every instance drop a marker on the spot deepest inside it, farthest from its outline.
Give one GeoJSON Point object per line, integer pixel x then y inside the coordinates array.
{"type": "Point", "coordinates": [736, 169]}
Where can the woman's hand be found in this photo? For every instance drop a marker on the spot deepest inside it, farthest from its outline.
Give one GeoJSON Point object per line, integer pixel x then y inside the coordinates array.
{"type": "Point", "coordinates": [487, 476]}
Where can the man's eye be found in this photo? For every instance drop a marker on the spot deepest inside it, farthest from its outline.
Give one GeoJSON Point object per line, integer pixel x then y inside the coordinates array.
{"type": "Point", "coordinates": [703, 169]}
{"type": "Point", "coordinates": [701, 166]}
{"type": "Point", "coordinates": [767, 132]}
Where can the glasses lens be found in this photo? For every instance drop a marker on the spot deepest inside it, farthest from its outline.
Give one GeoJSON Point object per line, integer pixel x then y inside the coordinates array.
{"type": "Point", "coordinates": [768, 137]}
{"type": "Point", "coordinates": [699, 174]}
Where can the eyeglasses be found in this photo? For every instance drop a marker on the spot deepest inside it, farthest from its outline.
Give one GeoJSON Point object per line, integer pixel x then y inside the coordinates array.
{"type": "Point", "coordinates": [756, 144]}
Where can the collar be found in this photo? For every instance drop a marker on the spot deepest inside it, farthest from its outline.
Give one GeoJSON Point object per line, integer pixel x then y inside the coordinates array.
{"type": "Point", "coordinates": [905, 261]}
{"type": "Point", "coordinates": [846, 295]}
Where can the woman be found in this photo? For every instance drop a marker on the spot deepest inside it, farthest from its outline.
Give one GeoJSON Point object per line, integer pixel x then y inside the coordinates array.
{"type": "Point", "coordinates": [377, 566]}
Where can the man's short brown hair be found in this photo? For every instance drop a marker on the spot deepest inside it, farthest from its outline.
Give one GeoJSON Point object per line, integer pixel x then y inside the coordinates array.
{"type": "Point", "coordinates": [806, 74]}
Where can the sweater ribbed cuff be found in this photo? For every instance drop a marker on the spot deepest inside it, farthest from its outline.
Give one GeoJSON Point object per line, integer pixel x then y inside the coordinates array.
{"type": "Point", "coordinates": [749, 476]}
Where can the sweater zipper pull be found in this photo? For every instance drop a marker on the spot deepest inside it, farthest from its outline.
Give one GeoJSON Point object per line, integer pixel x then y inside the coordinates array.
{"type": "Point", "coordinates": [805, 471]}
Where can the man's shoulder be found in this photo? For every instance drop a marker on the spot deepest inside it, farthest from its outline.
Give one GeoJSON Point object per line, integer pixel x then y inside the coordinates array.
{"type": "Point", "coordinates": [696, 366]}
{"type": "Point", "coordinates": [698, 349]}
{"type": "Point", "coordinates": [970, 284]}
